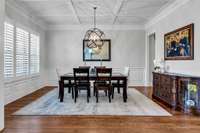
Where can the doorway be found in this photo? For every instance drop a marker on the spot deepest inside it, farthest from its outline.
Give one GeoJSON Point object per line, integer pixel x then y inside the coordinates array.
{"type": "Point", "coordinates": [152, 41]}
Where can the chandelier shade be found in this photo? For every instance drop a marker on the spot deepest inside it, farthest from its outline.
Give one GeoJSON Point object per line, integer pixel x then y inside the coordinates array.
{"type": "Point", "coordinates": [94, 35]}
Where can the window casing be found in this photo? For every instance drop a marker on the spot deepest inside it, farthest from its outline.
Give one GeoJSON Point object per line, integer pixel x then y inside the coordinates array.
{"type": "Point", "coordinates": [21, 52]}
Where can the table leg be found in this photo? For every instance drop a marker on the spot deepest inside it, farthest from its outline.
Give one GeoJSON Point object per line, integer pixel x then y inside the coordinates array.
{"type": "Point", "coordinates": [125, 90]}
{"type": "Point", "coordinates": [118, 87]}
{"type": "Point", "coordinates": [61, 90]}
{"type": "Point", "coordinates": [69, 89]}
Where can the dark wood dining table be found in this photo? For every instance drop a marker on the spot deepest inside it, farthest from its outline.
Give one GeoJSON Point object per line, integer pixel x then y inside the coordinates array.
{"type": "Point", "coordinates": [115, 77]}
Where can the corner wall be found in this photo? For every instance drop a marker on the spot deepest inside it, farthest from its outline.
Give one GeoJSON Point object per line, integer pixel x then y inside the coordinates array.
{"type": "Point", "coordinates": [2, 7]}
{"type": "Point", "coordinates": [185, 14]}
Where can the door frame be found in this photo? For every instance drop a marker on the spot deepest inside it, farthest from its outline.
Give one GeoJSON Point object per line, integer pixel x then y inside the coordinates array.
{"type": "Point", "coordinates": [148, 33]}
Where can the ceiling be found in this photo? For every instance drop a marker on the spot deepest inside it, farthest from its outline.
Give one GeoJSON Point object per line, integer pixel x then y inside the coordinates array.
{"type": "Point", "coordinates": [109, 12]}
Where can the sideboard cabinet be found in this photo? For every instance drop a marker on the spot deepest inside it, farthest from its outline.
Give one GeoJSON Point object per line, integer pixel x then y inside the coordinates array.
{"type": "Point", "coordinates": [178, 91]}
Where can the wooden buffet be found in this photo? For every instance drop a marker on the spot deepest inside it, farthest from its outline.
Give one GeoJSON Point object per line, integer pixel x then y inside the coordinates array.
{"type": "Point", "coordinates": [177, 91]}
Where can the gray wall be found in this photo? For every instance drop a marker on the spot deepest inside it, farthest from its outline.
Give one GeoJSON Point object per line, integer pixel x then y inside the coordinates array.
{"type": "Point", "coordinates": [127, 49]}
{"type": "Point", "coordinates": [184, 15]}
{"type": "Point", "coordinates": [2, 5]}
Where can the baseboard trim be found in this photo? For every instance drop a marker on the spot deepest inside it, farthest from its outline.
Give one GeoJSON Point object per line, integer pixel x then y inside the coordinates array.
{"type": "Point", "coordinates": [2, 130]}
{"type": "Point", "coordinates": [162, 101]}
{"type": "Point", "coordinates": [27, 95]}
{"type": "Point", "coordinates": [50, 87]}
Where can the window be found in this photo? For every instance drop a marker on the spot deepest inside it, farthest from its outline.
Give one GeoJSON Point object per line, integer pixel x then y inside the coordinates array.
{"type": "Point", "coordinates": [21, 52]}
{"type": "Point", "coordinates": [34, 54]}
{"type": "Point", "coordinates": [8, 50]}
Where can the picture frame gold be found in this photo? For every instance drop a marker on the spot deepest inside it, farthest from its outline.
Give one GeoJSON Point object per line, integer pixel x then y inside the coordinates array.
{"type": "Point", "coordinates": [179, 44]}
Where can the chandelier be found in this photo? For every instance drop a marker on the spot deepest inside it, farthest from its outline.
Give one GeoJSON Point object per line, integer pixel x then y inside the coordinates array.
{"type": "Point", "coordinates": [94, 36]}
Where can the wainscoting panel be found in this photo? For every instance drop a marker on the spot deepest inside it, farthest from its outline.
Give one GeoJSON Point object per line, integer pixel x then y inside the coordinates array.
{"type": "Point", "coordinates": [137, 76]}
{"type": "Point", "coordinates": [17, 89]}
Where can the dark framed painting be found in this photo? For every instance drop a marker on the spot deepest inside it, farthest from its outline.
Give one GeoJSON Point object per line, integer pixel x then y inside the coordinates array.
{"type": "Point", "coordinates": [102, 53]}
{"type": "Point", "coordinates": [179, 44]}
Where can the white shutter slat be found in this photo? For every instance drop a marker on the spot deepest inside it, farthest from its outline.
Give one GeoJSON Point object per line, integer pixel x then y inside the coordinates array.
{"type": "Point", "coordinates": [22, 52]}
{"type": "Point", "coordinates": [34, 54]}
{"type": "Point", "coordinates": [8, 50]}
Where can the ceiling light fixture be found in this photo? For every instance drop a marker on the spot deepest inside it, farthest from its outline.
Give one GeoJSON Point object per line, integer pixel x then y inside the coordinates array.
{"type": "Point", "coordinates": [94, 35]}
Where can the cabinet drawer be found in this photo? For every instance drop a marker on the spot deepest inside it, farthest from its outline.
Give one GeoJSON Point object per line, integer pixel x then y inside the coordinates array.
{"type": "Point", "coordinates": [166, 80]}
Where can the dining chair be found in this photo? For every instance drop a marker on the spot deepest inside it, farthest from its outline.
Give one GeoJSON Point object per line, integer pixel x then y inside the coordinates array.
{"type": "Point", "coordinates": [103, 82]}
{"type": "Point", "coordinates": [95, 68]}
{"type": "Point", "coordinates": [67, 84]}
{"type": "Point", "coordinates": [81, 81]}
{"type": "Point", "coordinates": [118, 84]}
{"type": "Point", "coordinates": [84, 67]}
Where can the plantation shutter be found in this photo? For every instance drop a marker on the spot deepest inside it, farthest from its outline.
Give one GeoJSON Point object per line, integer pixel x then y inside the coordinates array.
{"type": "Point", "coordinates": [34, 54]}
{"type": "Point", "coordinates": [22, 52]}
{"type": "Point", "coordinates": [8, 50]}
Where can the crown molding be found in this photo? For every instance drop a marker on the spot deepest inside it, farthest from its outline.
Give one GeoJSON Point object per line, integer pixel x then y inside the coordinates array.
{"type": "Point", "coordinates": [103, 27]}
{"type": "Point", "coordinates": [165, 11]}
{"type": "Point", "coordinates": [162, 13]}
{"type": "Point", "coordinates": [25, 13]}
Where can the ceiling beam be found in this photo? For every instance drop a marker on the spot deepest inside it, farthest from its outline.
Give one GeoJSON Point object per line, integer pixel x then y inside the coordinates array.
{"type": "Point", "coordinates": [71, 3]}
{"type": "Point", "coordinates": [39, 0]}
{"type": "Point", "coordinates": [107, 6]}
{"type": "Point", "coordinates": [64, 15]}
{"type": "Point", "coordinates": [117, 10]}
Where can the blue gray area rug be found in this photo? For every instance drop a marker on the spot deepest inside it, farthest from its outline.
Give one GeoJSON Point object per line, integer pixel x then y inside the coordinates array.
{"type": "Point", "coordinates": [137, 105]}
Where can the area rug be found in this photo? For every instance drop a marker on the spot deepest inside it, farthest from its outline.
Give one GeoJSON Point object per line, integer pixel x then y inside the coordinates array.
{"type": "Point", "coordinates": [137, 105]}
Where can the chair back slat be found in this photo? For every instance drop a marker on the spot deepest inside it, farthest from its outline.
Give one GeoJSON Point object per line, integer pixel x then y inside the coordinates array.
{"type": "Point", "coordinates": [104, 74]}
{"type": "Point", "coordinates": [81, 74]}
{"type": "Point", "coordinates": [84, 67]}
{"type": "Point", "coordinates": [96, 67]}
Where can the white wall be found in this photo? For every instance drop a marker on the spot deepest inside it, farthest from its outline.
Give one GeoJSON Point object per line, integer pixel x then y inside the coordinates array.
{"type": "Point", "coordinates": [19, 88]}
{"type": "Point", "coordinates": [2, 5]}
{"type": "Point", "coordinates": [182, 16]}
{"type": "Point", "coordinates": [127, 49]}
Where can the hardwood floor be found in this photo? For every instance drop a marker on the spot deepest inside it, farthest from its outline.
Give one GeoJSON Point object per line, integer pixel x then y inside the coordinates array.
{"type": "Point", "coordinates": [178, 123]}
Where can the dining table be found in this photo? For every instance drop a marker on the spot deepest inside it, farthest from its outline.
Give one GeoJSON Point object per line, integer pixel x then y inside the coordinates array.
{"type": "Point", "coordinates": [120, 78]}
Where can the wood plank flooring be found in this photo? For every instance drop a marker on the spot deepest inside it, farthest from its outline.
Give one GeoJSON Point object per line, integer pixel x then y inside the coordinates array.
{"type": "Point", "coordinates": [178, 123]}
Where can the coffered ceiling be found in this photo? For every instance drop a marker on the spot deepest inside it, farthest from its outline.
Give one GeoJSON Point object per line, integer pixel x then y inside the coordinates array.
{"type": "Point", "coordinates": [75, 12]}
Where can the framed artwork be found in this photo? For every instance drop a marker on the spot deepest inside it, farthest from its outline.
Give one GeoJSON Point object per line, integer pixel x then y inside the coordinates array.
{"type": "Point", "coordinates": [179, 44]}
{"type": "Point", "coordinates": [102, 53]}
